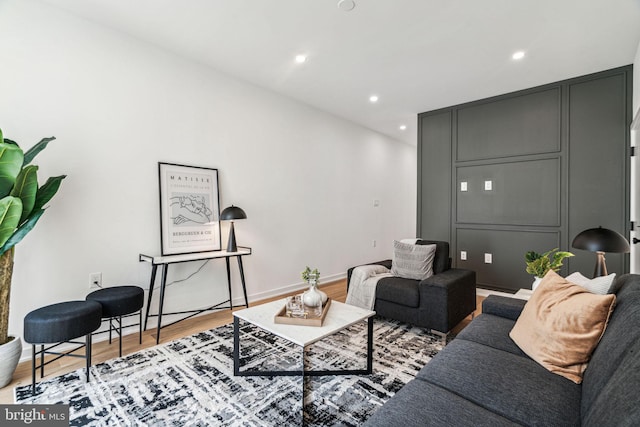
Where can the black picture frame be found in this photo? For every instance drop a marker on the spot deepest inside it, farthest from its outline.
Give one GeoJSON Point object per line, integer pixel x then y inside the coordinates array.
{"type": "Point", "coordinates": [189, 209]}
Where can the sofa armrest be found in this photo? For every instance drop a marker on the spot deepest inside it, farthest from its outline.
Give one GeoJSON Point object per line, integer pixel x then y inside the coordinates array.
{"type": "Point", "coordinates": [507, 307]}
{"type": "Point", "coordinates": [450, 278]}
{"type": "Point", "coordinates": [447, 298]}
{"type": "Point", "coordinates": [385, 263]}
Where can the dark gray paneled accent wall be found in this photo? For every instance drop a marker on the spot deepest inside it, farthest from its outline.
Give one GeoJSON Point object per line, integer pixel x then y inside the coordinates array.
{"type": "Point", "coordinates": [434, 158]}
{"type": "Point", "coordinates": [503, 204]}
{"type": "Point", "coordinates": [510, 127]}
{"type": "Point", "coordinates": [598, 183]}
{"type": "Point", "coordinates": [507, 248]}
{"type": "Point", "coordinates": [557, 160]}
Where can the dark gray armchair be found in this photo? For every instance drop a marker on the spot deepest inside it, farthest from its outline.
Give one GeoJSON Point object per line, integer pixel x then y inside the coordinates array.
{"type": "Point", "coordinates": [437, 303]}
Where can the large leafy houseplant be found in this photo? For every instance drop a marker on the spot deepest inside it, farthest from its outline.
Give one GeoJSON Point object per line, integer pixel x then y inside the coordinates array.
{"type": "Point", "coordinates": [540, 264]}
{"type": "Point", "coordinates": [21, 206]}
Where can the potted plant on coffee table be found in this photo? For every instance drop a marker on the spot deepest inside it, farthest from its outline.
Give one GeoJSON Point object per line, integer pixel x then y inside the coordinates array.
{"type": "Point", "coordinates": [539, 264]}
{"type": "Point", "coordinates": [21, 206]}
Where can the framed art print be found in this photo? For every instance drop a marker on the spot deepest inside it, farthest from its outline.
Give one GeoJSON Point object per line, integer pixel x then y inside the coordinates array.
{"type": "Point", "coordinates": [189, 209]}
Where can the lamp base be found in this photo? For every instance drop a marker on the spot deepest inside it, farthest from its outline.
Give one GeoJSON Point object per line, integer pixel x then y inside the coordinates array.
{"type": "Point", "coordinates": [231, 244]}
{"type": "Point", "coordinates": [601, 265]}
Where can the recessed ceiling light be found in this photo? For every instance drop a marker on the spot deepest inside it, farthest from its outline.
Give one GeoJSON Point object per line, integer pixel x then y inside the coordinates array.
{"type": "Point", "coordinates": [403, 127]}
{"type": "Point", "coordinates": [518, 55]}
{"type": "Point", "coordinates": [301, 58]}
{"type": "Point", "coordinates": [346, 5]}
{"type": "Point", "coordinates": [373, 98]}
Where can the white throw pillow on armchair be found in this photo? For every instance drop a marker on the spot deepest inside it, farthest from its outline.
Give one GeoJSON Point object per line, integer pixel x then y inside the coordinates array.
{"type": "Point", "coordinates": [412, 261]}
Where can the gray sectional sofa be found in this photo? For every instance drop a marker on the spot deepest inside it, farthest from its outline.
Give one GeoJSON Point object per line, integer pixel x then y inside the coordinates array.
{"type": "Point", "coordinates": [482, 378]}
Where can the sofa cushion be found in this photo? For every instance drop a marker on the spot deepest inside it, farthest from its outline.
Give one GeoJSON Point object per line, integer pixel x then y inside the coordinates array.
{"type": "Point", "coordinates": [420, 403]}
{"type": "Point", "coordinates": [399, 290]}
{"type": "Point", "coordinates": [512, 386]}
{"type": "Point", "coordinates": [492, 331]}
{"type": "Point", "coordinates": [412, 261]}
{"type": "Point", "coordinates": [611, 365]}
{"type": "Point", "coordinates": [617, 402]}
{"type": "Point", "coordinates": [441, 262]}
{"type": "Point", "coordinates": [561, 325]}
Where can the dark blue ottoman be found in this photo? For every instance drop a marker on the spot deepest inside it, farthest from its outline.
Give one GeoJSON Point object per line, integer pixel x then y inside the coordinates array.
{"type": "Point", "coordinates": [57, 324]}
{"type": "Point", "coordinates": [119, 301]}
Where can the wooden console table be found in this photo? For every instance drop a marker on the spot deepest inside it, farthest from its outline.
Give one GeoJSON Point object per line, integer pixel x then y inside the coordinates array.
{"type": "Point", "coordinates": [165, 261]}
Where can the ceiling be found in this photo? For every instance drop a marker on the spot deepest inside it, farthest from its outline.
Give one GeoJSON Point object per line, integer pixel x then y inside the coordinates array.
{"type": "Point", "coordinates": [415, 55]}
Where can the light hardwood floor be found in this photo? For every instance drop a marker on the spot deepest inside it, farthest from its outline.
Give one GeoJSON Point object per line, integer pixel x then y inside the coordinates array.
{"type": "Point", "coordinates": [103, 351]}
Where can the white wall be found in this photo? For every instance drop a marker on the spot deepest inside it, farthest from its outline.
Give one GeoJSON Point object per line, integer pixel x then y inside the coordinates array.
{"type": "Point", "coordinates": [636, 83]}
{"type": "Point", "coordinates": [117, 106]}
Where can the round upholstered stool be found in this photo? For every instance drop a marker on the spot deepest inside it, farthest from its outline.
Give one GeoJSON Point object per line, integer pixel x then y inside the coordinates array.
{"type": "Point", "coordinates": [57, 324]}
{"type": "Point", "coordinates": [118, 302]}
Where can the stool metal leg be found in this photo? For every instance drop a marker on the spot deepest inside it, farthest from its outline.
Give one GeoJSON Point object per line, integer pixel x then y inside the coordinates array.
{"type": "Point", "coordinates": [33, 369]}
{"type": "Point", "coordinates": [140, 338]}
{"type": "Point", "coordinates": [41, 361]}
{"type": "Point", "coordinates": [88, 354]}
{"type": "Point", "coordinates": [110, 328]}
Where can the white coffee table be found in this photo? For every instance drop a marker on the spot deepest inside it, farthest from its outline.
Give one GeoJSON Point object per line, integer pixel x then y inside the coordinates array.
{"type": "Point", "coordinates": [339, 317]}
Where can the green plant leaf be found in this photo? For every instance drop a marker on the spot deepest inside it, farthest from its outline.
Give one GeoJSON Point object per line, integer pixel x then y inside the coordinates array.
{"type": "Point", "coordinates": [10, 141]}
{"type": "Point", "coordinates": [25, 188]}
{"type": "Point", "coordinates": [1, 137]}
{"type": "Point", "coordinates": [531, 256]}
{"type": "Point", "coordinates": [47, 191]}
{"type": "Point", "coordinates": [22, 231]}
{"type": "Point", "coordinates": [10, 212]}
{"type": "Point", "coordinates": [558, 258]}
{"type": "Point", "coordinates": [33, 151]}
{"type": "Point", "coordinates": [11, 158]}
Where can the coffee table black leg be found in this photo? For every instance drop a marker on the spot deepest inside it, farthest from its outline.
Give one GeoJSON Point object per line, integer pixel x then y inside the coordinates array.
{"type": "Point", "coordinates": [370, 345]}
{"type": "Point", "coordinates": [236, 346]}
{"type": "Point", "coordinates": [304, 372]}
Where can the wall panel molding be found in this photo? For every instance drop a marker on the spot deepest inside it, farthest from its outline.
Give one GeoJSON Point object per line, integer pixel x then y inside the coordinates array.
{"type": "Point", "coordinates": [557, 159]}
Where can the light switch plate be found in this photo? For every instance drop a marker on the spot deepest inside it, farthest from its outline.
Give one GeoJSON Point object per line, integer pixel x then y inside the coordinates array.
{"type": "Point", "coordinates": [463, 255]}
{"type": "Point", "coordinates": [463, 185]}
{"type": "Point", "coordinates": [488, 258]}
{"type": "Point", "coordinates": [488, 185]}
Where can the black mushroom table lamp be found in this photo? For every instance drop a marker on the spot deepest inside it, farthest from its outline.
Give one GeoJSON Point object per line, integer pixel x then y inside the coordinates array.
{"type": "Point", "coordinates": [231, 214]}
{"type": "Point", "coordinates": [601, 240]}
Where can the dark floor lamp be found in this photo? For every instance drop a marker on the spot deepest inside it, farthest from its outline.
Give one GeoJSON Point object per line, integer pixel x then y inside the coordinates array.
{"type": "Point", "coordinates": [230, 214]}
{"type": "Point", "coordinates": [601, 240]}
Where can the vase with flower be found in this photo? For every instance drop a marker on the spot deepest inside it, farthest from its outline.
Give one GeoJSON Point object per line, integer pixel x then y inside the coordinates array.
{"type": "Point", "coordinates": [313, 297]}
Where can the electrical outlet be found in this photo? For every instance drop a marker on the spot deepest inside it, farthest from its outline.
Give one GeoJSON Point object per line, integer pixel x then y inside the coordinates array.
{"type": "Point", "coordinates": [463, 255]}
{"type": "Point", "coordinates": [95, 280]}
{"type": "Point", "coordinates": [488, 185]}
{"type": "Point", "coordinates": [488, 258]}
{"type": "Point", "coordinates": [374, 243]}
{"type": "Point", "coordinates": [463, 185]}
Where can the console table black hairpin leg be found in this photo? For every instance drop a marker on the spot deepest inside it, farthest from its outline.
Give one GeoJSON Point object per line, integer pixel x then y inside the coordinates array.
{"type": "Point", "coordinates": [164, 261]}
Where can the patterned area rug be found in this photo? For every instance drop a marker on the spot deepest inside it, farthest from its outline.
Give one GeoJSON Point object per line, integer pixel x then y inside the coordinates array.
{"type": "Point", "coordinates": [190, 382]}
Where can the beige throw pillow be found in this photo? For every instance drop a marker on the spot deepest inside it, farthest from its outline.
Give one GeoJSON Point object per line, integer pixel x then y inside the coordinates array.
{"type": "Point", "coordinates": [412, 261]}
{"type": "Point", "coordinates": [561, 325]}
